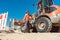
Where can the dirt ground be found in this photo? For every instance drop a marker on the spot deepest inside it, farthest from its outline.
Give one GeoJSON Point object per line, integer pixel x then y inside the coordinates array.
{"type": "Point", "coordinates": [29, 36]}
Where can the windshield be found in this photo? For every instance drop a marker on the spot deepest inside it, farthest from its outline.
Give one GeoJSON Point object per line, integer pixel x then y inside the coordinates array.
{"type": "Point", "coordinates": [45, 3]}
{"type": "Point", "coordinates": [50, 2]}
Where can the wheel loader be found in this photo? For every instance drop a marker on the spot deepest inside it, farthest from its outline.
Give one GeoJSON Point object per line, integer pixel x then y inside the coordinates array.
{"type": "Point", "coordinates": [48, 16]}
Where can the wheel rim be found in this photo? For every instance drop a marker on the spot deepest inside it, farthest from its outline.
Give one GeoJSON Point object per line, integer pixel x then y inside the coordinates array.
{"type": "Point", "coordinates": [41, 25]}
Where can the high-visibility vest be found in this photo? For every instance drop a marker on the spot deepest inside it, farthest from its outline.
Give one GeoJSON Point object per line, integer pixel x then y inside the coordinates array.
{"type": "Point", "coordinates": [28, 17]}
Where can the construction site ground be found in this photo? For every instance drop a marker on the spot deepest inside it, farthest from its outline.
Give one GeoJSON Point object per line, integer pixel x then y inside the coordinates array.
{"type": "Point", "coordinates": [31, 36]}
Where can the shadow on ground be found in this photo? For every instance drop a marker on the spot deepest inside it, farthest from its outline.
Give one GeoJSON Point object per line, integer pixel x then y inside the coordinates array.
{"type": "Point", "coordinates": [55, 29]}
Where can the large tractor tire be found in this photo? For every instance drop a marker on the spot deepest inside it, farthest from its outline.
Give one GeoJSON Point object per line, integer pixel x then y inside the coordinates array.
{"type": "Point", "coordinates": [43, 24]}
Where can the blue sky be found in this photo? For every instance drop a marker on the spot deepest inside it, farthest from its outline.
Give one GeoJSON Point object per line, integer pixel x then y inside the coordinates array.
{"type": "Point", "coordinates": [16, 8]}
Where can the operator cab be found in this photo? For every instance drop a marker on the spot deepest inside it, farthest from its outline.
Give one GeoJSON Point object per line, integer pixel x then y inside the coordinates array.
{"type": "Point", "coordinates": [45, 5]}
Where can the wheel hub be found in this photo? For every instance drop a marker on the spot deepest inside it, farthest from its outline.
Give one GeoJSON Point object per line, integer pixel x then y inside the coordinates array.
{"type": "Point", "coordinates": [41, 25]}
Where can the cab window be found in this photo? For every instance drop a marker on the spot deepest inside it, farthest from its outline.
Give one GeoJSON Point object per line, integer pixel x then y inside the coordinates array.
{"type": "Point", "coordinates": [50, 9]}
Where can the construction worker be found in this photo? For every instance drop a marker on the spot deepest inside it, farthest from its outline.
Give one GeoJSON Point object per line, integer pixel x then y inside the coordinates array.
{"type": "Point", "coordinates": [27, 19]}
{"type": "Point", "coordinates": [40, 5]}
